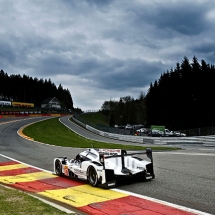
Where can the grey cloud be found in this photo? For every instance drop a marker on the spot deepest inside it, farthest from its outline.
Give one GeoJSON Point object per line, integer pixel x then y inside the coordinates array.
{"type": "Point", "coordinates": [99, 3]}
{"type": "Point", "coordinates": [208, 47]}
{"type": "Point", "coordinates": [6, 53]}
{"type": "Point", "coordinates": [187, 18]}
{"type": "Point", "coordinates": [112, 46]}
{"type": "Point", "coordinates": [121, 75]}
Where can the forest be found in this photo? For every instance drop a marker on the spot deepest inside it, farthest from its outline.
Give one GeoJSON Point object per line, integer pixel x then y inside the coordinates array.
{"type": "Point", "coordinates": [26, 89]}
{"type": "Point", "coordinates": [182, 98]}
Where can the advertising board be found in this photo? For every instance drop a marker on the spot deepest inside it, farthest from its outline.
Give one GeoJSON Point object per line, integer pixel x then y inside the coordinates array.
{"type": "Point", "coordinates": [22, 104]}
{"type": "Point", "coordinates": [158, 127]}
{"type": "Point", "coordinates": [5, 103]}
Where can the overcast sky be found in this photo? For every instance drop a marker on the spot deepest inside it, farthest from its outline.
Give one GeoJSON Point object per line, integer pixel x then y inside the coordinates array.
{"type": "Point", "coordinates": [103, 49]}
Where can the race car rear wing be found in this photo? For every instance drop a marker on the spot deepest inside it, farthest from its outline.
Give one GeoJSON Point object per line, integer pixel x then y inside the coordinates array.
{"type": "Point", "coordinates": [124, 153]}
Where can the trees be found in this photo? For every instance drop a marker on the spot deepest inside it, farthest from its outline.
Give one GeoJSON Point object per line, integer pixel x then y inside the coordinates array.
{"type": "Point", "coordinates": [182, 98]}
{"type": "Point", "coordinates": [185, 96]}
{"type": "Point", "coordinates": [26, 89]}
{"type": "Point", "coordinates": [125, 111]}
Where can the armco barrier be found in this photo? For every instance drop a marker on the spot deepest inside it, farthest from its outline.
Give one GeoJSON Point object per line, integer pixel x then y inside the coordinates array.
{"type": "Point", "coordinates": [205, 140]}
{"type": "Point", "coordinates": [129, 138]}
{"type": "Point", "coordinates": [32, 115]}
{"type": "Point", "coordinates": [135, 139]}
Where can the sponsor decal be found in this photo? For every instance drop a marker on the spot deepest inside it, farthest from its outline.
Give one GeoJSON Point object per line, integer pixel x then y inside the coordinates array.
{"type": "Point", "coordinates": [66, 170]}
{"type": "Point", "coordinates": [5, 103]}
{"type": "Point", "coordinates": [79, 172]}
{"type": "Point", "coordinates": [149, 177]}
{"type": "Point", "coordinates": [22, 104]}
{"type": "Point", "coordinates": [110, 151]}
{"type": "Point", "coordinates": [111, 184]}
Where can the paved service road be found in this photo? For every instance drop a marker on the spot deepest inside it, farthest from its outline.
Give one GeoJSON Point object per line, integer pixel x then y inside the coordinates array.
{"type": "Point", "coordinates": [184, 177]}
{"type": "Point", "coordinates": [87, 134]}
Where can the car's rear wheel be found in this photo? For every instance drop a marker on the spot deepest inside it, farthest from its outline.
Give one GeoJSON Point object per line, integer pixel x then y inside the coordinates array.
{"type": "Point", "coordinates": [92, 176]}
{"type": "Point", "coordinates": [58, 167]}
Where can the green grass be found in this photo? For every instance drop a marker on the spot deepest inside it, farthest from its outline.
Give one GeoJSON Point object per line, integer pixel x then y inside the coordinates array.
{"type": "Point", "coordinates": [51, 131]}
{"type": "Point", "coordinates": [13, 202]}
{"type": "Point", "coordinates": [95, 118]}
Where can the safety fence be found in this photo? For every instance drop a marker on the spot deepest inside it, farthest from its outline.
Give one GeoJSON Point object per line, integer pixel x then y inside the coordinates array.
{"type": "Point", "coordinates": [201, 131]}
{"type": "Point", "coordinates": [206, 140]}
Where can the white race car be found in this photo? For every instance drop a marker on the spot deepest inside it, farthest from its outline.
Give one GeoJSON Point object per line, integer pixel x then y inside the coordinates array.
{"type": "Point", "coordinates": [103, 167]}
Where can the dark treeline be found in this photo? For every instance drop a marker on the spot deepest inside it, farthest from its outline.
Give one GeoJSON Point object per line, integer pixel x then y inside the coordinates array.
{"type": "Point", "coordinates": [182, 98]}
{"type": "Point", "coordinates": [125, 111]}
{"type": "Point", "coordinates": [26, 89]}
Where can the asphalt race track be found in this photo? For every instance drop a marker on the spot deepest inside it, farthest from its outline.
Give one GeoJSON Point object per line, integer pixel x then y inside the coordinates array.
{"type": "Point", "coordinates": [185, 177]}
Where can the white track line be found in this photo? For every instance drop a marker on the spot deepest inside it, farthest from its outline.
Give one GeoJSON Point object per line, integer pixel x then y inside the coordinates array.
{"type": "Point", "coordinates": [163, 202]}
{"type": "Point", "coordinates": [122, 191]}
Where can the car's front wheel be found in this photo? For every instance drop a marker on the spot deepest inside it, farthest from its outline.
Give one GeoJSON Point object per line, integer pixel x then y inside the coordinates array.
{"type": "Point", "coordinates": [92, 176]}
{"type": "Point", "coordinates": [58, 167]}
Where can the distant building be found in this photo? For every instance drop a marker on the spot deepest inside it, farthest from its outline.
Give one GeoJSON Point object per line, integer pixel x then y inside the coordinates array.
{"type": "Point", "coordinates": [5, 103]}
{"type": "Point", "coordinates": [51, 104]}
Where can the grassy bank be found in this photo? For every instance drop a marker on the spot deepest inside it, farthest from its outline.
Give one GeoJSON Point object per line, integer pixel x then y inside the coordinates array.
{"type": "Point", "coordinates": [95, 118]}
{"type": "Point", "coordinates": [51, 131]}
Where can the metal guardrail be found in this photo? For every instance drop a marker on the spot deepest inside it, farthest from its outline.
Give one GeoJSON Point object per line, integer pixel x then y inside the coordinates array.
{"type": "Point", "coordinates": [202, 131]}
{"type": "Point", "coordinates": [205, 140]}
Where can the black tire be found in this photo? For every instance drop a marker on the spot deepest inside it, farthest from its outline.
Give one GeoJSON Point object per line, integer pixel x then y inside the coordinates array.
{"type": "Point", "coordinates": [92, 176]}
{"type": "Point", "coordinates": [58, 167]}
